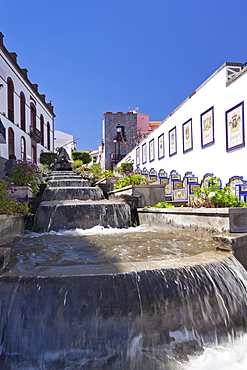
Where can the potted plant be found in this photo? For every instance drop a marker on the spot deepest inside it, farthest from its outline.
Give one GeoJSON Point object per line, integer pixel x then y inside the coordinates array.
{"type": "Point", "coordinates": [9, 204]}
{"type": "Point", "coordinates": [26, 177]}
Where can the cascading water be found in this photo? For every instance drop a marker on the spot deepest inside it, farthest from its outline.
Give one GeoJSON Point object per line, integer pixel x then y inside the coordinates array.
{"type": "Point", "coordinates": [150, 319]}
{"type": "Point", "coordinates": [108, 299]}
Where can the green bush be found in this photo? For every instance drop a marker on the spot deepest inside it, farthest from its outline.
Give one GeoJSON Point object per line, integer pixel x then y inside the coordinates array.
{"type": "Point", "coordinates": [216, 197]}
{"type": "Point", "coordinates": [78, 163]}
{"type": "Point", "coordinates": [85, 157]}
{"type": "Point", "coordinates": [107, 173]}
{"type": "Point", "coordinates": [163, 205]}
{"type": "Point", "coordinates": [48, 158]}
{"type": "Point", "coordinates": [130, 180]}
{"type": "Point", "coordinates": [10, 205]}
{"type": "Point", "coordinates": [126, 167]}
{"type": "Point", "coordinates": [24, 173]}
{"type": "Point", "coordinates": [95, 169]}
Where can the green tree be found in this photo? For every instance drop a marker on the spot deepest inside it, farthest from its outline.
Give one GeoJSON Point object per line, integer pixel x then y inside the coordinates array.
{"type": "Point", "coordinates": [85, 157]}
{"type": "Point", "coordinates": [48, 158]}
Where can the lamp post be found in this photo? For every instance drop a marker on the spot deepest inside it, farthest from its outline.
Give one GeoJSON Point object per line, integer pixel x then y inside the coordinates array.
{"type": "Point", "coordinates": [119, 138]}
{"type": "Point", "coordinates": [115, 150]}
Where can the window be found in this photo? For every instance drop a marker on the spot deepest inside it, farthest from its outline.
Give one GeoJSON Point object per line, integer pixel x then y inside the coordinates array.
{"type": "Point", "coordinates": [33, 115]}
{"type": "Point", "coordinates": [23, 111]}
{"type": "Point", "coordinates": [48, 136]}
{"type": "Point", "coordinates": [34, 154]}
{"type": "Point", "coordinates": [23, 148]}
{"type": "Point", "coordinates": [10, 99]}
{"type": "Point", "coordinates": [42, 129]}
{"type": "Point", "coordinates": [11, 141]}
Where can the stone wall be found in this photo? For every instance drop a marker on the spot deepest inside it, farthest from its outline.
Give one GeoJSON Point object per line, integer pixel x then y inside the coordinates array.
{"type": "Point", "coordinates": [211, 219]}
{"type": "Point", "coordinates": [10, 227]}
{"type": "Point", "coordinates": [111, 120]}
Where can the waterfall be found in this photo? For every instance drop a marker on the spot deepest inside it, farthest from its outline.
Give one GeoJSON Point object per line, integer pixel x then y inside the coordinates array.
{"type": "Point", "coordinates": [137, 320]}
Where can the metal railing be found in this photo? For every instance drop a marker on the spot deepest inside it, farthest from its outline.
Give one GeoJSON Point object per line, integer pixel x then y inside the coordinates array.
{"type": "Point", "coordinates": [35, 134]}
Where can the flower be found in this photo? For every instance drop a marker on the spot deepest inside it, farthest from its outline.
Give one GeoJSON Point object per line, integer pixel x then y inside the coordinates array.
{"type": "Point", "coordinates": [9, 204]}
{"type": "Point", "coordinates": [25, 173]}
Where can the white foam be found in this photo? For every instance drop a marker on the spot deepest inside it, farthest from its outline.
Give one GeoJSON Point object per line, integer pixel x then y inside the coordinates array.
{"type": "Point", "coordinates": [231, 356]}
{"type": "Point", "coordinates": [96, 230]}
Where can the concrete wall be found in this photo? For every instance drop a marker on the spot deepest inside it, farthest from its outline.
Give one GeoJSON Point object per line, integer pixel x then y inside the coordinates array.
{"type": "Point", "coordinates": [65, 140]}
{"type": "Point", "coordinates": [143, 123]}
{"type": "Point", "coordinates": [149, 195]}
{"type": "Point", "coordinates": [222, 92]}
{"type": "Point", "coordinates": [10, 227]}
{"type": "Point", "coordinates": [232, 220]}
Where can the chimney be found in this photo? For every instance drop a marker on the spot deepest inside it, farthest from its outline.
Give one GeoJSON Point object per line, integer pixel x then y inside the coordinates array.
{"type": "Point", "coordinates": [24, 72]}
{"type": "Point", "coordinates": [50, 106]}
{"type": "Point", "coordinates": [43, 97]}
{"type": "Point", "coordinates": [13, 56]}
{"type": "Point", "coordinates": [35, 86]}
{"type": "Point", "coordinates": [1, 38]}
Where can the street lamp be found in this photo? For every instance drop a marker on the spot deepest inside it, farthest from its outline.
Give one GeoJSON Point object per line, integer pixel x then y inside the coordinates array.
{"type": "Point", "coordinates": [119, 139]}
{"type": "Point", "coordinates": [115, 150]}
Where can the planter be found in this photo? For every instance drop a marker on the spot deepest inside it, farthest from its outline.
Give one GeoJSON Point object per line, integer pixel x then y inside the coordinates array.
{"type": "Point", "coordinates": [106, 185]}
{"type": "Point", "coordinates": [10, 227]}
{"type": "Point", "coordinates": [232, 220]}
{"type": "Point", "coordinates": [148, 195]}
{"type": "Point", "coordinates": [23, 192]}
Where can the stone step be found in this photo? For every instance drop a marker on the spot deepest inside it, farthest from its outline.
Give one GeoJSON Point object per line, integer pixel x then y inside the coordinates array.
{"type": "Point", "coordinates": [68, 193]}
{"type": "Point", "coordinates": [72, 214]}
{"type": "Point", "coordinates": [68, 182]}
{"type": "Point", "coordinates": [60, 177]}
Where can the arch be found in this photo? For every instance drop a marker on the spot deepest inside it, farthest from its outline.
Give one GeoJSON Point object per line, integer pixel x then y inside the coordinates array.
{"type": "Point", "coordinates": [23, 111]}
{"type": "Point", "coordinates": [42, 129]}
{"type": "Point", "coordinates": [10, 99]}
{"type": "Point", "coordinates": [48, 136]}
{"type": "Point", "coordinates": [34, 154]}
{"type": "Point", "coordinates": [23, 148]}
{"type": "Point", "coordinates": [11, 141]}
{"type": "Point", "coordinates": [33, 115]}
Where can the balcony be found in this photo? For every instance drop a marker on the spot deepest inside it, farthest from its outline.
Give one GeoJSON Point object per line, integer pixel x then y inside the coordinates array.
{"type": "Point", "coordinates": [35, 134]}
{"type": "Point", "coordinates": [2, 133]}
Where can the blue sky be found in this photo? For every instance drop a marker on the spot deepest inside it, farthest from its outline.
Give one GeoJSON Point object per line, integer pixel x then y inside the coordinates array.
{"type": "Point", "coordinates": [94, 56]}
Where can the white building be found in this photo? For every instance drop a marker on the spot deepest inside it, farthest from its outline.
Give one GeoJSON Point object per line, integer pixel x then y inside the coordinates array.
{"type": "Point", "coordinates": [62, 139]}
{"type": "Point", "coordinates": [26, 119]}
{"type": "Point", "coordinates": [205, 134]}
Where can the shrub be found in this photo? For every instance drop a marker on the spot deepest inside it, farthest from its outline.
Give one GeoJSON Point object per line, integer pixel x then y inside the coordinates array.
{"type": "Point", "coordinates": [26, 174]}
{"type": "Point", "coordinates": [130, 180]}
{"type": "Point", "coordinates": [126, 167]}
{"type": "Point", "coordinates": [48, 158]}
{"type": "Point", "coordinates": [77, 163]}
{"type": "Point", "coordinates": [106, 174]}
{"type": "Point", "coordinates": [95, 169]}
{"type": "Point", "coordinates": [163, 205]}
{"type": "Point", "coordinates": [216, 197]}
{"type": "Point", "coordinates": [10, 205]}
{"type": "Point", "coordinates": [85, 157]}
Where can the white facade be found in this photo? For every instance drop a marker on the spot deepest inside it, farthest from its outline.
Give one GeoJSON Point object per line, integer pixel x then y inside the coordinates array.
{"type": "Point", "coordinates": [27, 118]}
{"type": "Point", "coordinates": [217, 146]}
{"type": "Point", "coordinates": [62, 139]}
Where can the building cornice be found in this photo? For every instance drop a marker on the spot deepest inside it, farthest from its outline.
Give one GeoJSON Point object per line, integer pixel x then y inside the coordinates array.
{"type": "Point", "coordinates": [12, 57]}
